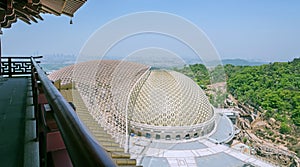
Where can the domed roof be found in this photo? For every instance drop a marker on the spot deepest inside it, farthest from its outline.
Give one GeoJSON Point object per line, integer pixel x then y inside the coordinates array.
{"type": "Point", "coordinates": [169, 98]}
{"type": "Point", "coordinates": [123, 95]}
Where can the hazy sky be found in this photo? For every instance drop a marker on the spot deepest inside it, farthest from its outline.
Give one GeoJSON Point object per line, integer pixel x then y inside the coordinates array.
{"type": "Point", "coordinates": [265, 30]}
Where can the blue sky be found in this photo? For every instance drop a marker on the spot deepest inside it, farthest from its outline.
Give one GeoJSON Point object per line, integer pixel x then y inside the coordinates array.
{"type": "Point", "coordinates": [267, 30]}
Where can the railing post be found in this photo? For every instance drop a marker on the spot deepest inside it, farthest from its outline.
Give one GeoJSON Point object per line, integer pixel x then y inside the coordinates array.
{"type": "Point", "coordinates": [0, 65]}
{"type": "Point", "coordinates": [0, 51]}
{"type": "Point", "coordinates": [9, 67]}
{"type": "Point", "coordinates": [35, 99]}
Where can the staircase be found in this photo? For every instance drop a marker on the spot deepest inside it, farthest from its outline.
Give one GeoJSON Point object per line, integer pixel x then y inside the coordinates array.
{"type": "Point", "coordinates": [105, 140]}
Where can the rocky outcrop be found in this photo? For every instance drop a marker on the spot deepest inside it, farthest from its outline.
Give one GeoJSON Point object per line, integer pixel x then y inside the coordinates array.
{"type": "Point", "coordinates": [263, 137]}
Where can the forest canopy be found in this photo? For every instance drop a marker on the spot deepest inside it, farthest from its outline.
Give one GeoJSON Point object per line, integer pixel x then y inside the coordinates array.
{"type": "Point", "coordinates": [274, 87]}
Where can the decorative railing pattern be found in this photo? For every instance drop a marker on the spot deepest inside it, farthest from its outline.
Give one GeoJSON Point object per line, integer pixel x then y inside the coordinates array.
{"type": "Point", "coordinates": [16, 65]}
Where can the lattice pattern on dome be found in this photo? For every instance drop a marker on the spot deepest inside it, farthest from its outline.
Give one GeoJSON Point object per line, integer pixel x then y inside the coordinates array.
{"type": "Point", "coordinates": [105, 87]}
{"type": "Point", "coordinates": [169, 98]}
{"type": "Point", "coordinates": [151, 100]}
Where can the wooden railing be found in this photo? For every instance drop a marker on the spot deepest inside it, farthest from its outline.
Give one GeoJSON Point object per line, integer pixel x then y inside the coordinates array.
{"type": "Point", "coordinates": [83, 150]}
{"type": "Point", "coordinates": [16, 65]}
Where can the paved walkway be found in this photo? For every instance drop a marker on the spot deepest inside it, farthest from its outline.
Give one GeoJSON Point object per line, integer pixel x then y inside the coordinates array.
{"type": "Point", "coordinates": [13, 94]}
{"type": "Point", "coordinates": [214, 155]}
{"type": "Point", "coordinates": [201, 152]}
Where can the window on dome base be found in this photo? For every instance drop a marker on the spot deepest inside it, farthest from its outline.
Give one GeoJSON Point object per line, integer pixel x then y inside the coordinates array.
{"type": "Point", "coordinates": [187, 136]}
{"type": "Point", "coordinates": [157, 136]}
{"type": "Point", "coordinates": [196, 135]}
{"type": "Point", "coordinates": [168, 137]}
{"type": "Point", "coordinates": [148, 135]}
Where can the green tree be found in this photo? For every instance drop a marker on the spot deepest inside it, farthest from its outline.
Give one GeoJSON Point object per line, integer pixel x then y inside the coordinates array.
{"type": "Point", "coordinates": [284, 128]}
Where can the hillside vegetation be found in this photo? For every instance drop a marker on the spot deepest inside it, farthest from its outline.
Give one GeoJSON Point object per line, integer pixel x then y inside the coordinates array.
{"type": "Point", "coordinates": [274, 88]}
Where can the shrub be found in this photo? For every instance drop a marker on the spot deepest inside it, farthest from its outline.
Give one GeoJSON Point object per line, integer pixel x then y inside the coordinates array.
{"type": "Point", "coordinates": [284, 128]}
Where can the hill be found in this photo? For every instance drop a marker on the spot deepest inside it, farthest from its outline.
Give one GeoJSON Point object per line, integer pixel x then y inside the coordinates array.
{"type": "Point", "coordinates": [272, 89]}
{"type": "Point", "coordinates": [235, 62]}
{"type": "Point", "coordinates": [242, 62]}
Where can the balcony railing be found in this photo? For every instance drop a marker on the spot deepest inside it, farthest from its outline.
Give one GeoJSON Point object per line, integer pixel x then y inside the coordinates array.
{"type": "Point", "coordinates": [16, 65]}
{"type": "Point", "coordinates": [83, 150]}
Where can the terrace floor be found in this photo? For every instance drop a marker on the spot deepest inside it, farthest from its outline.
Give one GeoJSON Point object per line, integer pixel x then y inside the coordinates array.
{"type": "Point", "coordinates": [13, 121]}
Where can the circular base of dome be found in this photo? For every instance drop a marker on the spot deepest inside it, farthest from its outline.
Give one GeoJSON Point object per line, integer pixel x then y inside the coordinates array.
{"type": "Point", "coordinates": [174, 133]}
